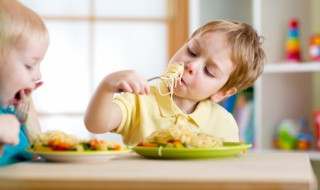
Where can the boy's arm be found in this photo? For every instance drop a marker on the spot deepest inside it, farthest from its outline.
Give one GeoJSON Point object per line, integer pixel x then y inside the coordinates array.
{"type": "Point", "coordinates": [102, 115]}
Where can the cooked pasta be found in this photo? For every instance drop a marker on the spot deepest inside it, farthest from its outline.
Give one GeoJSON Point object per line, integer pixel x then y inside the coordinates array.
{"type": "Point", "coordinates": [59, 141]}
{"type": "Point", "coordinates": [172, 76]}
{"type": "Point", "coordinates": [181, 137]}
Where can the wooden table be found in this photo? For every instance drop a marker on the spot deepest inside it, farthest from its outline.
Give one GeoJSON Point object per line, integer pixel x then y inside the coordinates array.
{"type": "Point", "coordinates": [130, 171]}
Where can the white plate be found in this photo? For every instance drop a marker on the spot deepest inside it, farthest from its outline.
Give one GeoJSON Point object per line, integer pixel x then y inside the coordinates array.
{"type": "Point", "coordinates": [86, 156]}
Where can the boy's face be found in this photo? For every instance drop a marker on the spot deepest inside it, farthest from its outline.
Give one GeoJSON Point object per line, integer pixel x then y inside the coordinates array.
{"type": "Point", "coordinates": [20, 68]}
{"type": "Point", "coordinates": [207, 68]}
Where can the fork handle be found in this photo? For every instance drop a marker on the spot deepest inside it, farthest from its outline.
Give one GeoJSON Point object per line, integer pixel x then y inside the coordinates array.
{"type": "Point", "coordinates": [150, 79]}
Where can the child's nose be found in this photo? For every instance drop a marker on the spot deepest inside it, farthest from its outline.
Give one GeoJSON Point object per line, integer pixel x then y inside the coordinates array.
{"type": "Point", "coordinates": [37, 76]}
{"type": "Point", "coordinates": [190, 67]}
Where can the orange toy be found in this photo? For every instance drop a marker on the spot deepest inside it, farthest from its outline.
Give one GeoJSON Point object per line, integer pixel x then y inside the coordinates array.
{"type": "Point", "coordinates": [314, 48]}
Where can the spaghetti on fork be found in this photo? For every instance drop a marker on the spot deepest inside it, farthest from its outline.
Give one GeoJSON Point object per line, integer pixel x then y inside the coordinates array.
{"type": "Point", "coordinates": [172, 76]}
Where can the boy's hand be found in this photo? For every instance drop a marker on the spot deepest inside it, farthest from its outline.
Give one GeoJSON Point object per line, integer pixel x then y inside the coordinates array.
{"type": "Point", "coordinates": [23, 102]}
{"type": "Point", "coordinates": [9, 129]}
{"type": "Point", "coordinates": [24, 95]}
{"type": "Point", "coordinates": [127, 81]}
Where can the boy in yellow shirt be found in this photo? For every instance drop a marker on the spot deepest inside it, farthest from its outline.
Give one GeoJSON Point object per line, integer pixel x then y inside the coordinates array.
{"type": "Point", "coordinates": [220, 59]}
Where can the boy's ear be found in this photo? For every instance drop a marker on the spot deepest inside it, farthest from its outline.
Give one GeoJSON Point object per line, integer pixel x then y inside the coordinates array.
{"type": "Point", "coordinates": [222, 95]}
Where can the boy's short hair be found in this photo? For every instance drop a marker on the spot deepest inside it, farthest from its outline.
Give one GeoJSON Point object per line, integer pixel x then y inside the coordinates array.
{"type": "Point", "coordinates": [18, 23]}
{"type": "Point", "coordinates": [245, 49]}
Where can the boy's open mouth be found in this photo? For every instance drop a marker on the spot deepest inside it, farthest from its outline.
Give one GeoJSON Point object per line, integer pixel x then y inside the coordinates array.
{"type": "Point", "coordinates": [23, 93]}
{"type": "Point", "coordinates": [17, 98]}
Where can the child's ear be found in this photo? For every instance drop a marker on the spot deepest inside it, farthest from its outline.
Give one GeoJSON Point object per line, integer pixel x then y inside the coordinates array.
{"type": "Point", "coordinates": [222, 95]}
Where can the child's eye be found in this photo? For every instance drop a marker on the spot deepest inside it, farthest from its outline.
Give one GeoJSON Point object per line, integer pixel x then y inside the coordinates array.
{"type": "Point", "coordinates": [28, 67]}
{"type": "Point", "coordinates": [191, 53]}
{"type": "Point", "coordinates": [208, 72]}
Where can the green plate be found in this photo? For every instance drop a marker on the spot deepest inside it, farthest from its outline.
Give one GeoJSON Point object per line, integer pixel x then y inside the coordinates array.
{"type": "Point", "coordinates": [228, 149]}
{"type": "Point", "coordinates": [73, 156]}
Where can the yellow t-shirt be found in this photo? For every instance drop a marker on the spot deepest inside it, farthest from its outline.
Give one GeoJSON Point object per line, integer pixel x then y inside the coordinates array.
{"type": "Point", "coordinates": [143, 114]}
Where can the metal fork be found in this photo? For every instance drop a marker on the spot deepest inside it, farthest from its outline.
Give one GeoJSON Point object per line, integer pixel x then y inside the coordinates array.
{"type": "Point", "coordinates": [157, 77]}
{"type": "Point", "coordinates": [153, 78]}
{"type": "Point", "coordinates": [21, 112]}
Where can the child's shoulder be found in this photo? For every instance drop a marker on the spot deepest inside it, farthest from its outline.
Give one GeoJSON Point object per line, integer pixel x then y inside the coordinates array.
{"type": "Point", "coordinates": [215, 107]}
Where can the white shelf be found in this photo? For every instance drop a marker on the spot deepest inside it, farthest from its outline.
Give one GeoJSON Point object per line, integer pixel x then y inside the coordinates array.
{"type": "Point", "coordinates": [285, 89]}
{"type": "Point", "coordinates": [314, 155]}
{"type": "Point", "coordinates": [287, 67]}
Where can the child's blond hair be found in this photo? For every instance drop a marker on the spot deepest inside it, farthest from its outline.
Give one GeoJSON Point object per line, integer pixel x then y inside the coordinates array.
{"type": "Point", "coordinates": [245, 51]}
{"type": "Point", "coordinates": [18, 23]}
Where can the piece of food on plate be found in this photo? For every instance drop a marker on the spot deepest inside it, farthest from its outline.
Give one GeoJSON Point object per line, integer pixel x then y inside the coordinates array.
{"type": "Point", "coordinates": [178, 136]}
{"type": "Point", "coordinates": [60, 141]}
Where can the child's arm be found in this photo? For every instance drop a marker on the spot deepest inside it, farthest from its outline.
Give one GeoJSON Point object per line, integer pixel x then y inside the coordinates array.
{"type": "Point", "coordinates": [9, 129]}
{"type": "Point", "coordinates": [102, 115]}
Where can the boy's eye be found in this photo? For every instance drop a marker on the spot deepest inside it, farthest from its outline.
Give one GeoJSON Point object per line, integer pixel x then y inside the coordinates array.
{"type": "Point", "coordinates": [191, 53]}
{"type": "Point", "coordinates": [208, 72]}
{"type": "Point", "coordinates": [28, 67]}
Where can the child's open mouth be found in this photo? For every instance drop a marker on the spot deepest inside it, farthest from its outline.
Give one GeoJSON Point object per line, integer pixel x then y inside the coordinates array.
{"type": "Point", "coordinates": [17, 98]}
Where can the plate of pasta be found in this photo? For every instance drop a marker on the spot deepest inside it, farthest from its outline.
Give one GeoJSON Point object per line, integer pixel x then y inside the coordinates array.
{"type": "Point", "coordinates": [73, 156]}
{"type": "Point", "coordinates": [58, 146]}
{"type": "Point", "coordinates": [178, 142]}
{"type": "Point", "coordinates": [228, 149]}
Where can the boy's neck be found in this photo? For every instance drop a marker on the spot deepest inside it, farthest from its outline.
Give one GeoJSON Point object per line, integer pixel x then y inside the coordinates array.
{"type": "Point", "coordinates": [187, 106]}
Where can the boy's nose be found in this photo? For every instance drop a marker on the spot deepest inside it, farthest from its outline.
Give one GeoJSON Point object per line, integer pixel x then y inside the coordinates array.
{"type": "Point", "coordinates": [190, 67]}
{"type": "Point", "coordinates": [37, 76]}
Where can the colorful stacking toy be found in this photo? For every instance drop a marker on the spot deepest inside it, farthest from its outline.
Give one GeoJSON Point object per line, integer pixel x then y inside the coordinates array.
{"type": "Point", "coordinates": [292, 44]}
